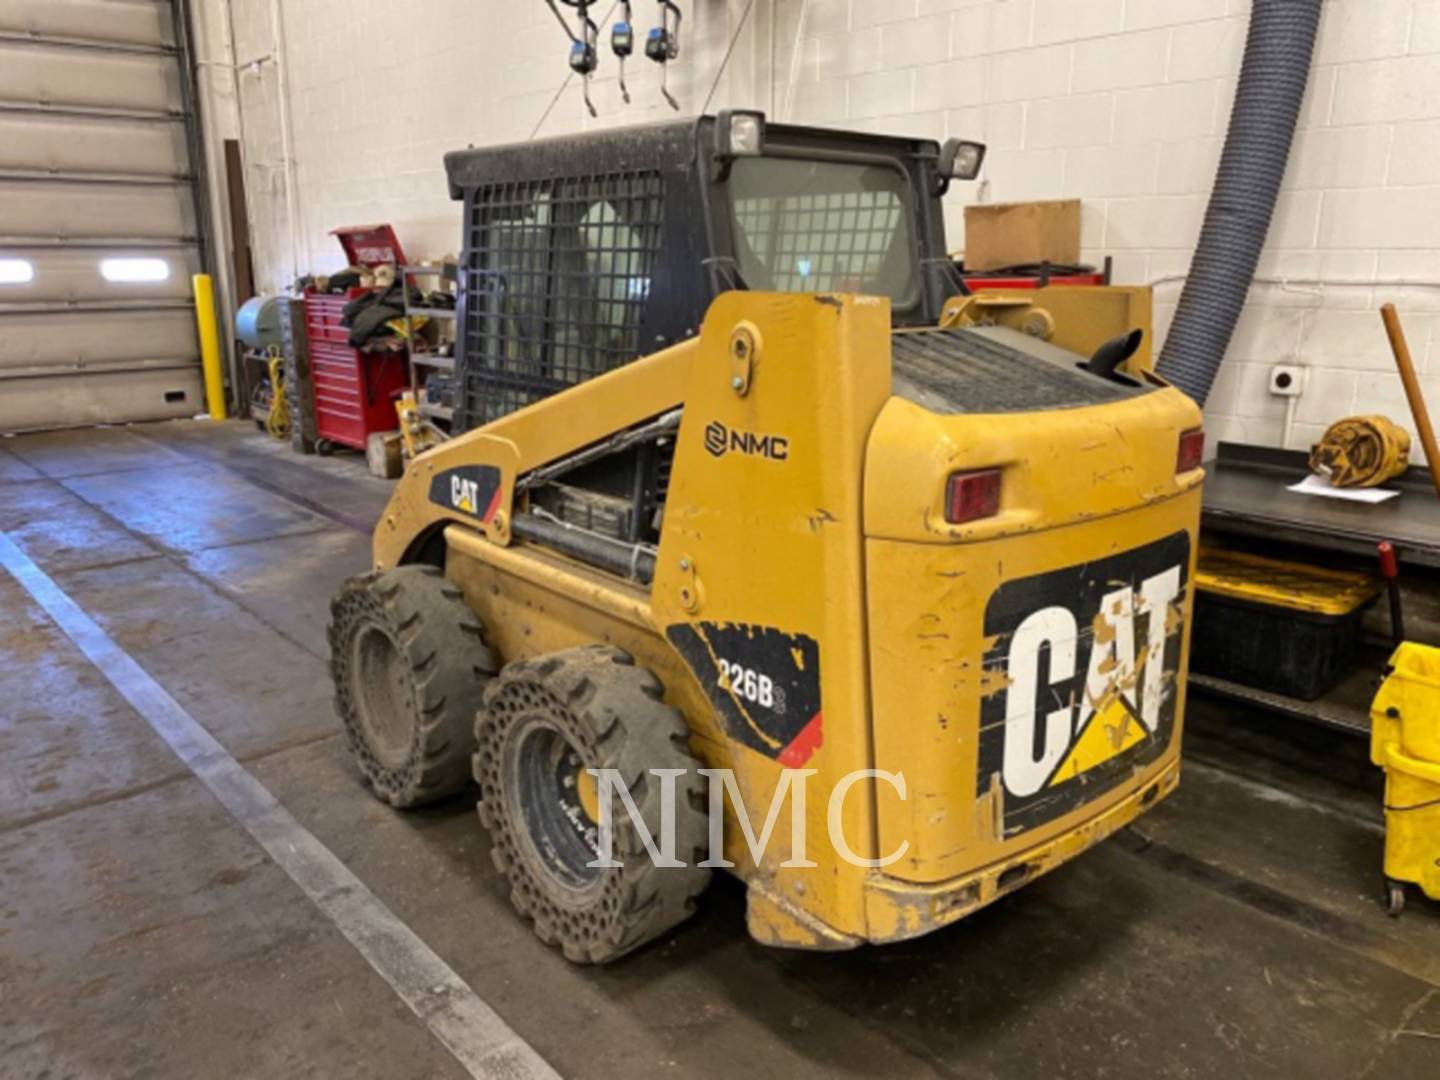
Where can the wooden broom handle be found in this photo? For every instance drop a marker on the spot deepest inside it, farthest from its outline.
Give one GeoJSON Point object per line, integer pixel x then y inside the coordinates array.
{"type": "Point", "coordinates": [1412, 391]}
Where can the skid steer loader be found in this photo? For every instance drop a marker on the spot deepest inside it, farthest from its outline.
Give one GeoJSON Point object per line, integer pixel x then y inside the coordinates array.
{"type": "Point", "coordinates": [749, 483]}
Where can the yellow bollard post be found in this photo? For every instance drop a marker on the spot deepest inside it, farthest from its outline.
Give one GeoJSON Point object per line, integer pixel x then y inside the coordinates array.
{"type": "Point", "coordinates": [209, 345]}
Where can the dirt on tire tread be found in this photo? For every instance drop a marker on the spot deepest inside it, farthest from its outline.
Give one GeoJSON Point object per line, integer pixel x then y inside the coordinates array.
{"type": "Point", "coordinates": [628, 727]}
{"type": "Point", "coordinates": [448, 664]}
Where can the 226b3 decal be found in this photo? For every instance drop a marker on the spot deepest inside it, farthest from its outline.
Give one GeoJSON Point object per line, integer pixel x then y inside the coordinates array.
{"type": "Point", "coordinates": [1085, 663]}
{"type": "Point", "coordinates": [763, 682]}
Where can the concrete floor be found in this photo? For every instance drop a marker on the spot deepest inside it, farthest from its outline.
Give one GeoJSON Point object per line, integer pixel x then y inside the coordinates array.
{"type": "Point", "coordinates": [1236, 932]}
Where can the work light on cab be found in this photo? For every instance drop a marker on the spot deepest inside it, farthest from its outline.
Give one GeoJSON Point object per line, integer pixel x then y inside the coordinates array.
{"type": "Point", "coordinates": [740, 134]}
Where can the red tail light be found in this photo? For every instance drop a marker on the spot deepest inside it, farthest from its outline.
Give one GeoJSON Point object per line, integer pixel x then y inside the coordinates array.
{"type": "Point", "coordinates": [970, 496]}
{"type": "Point", "coordinates": [1192, 450]}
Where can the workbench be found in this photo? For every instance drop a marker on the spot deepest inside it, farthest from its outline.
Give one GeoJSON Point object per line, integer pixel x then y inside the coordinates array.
{"type": "Point", "coordinates": [1246, 496]}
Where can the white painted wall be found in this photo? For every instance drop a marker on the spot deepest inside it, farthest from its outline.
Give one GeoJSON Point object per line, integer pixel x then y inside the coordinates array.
{"type": "Point", "coordinates": [1122, 103]}
{"type": "Point", "coordinates": [380, 90]}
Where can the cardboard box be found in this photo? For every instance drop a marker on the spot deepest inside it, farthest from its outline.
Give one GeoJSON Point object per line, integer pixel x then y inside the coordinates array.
{"type": "Point", "coordinates": [1010, 234]}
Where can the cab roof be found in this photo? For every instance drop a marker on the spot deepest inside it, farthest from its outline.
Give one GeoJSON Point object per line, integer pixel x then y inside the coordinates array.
{"type": "Point", "coordinates": [664, 146]}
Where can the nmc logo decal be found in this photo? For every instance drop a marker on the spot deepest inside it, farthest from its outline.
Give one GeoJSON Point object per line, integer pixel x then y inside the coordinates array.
{"type": "Point", "coordinates": [1086, 661]}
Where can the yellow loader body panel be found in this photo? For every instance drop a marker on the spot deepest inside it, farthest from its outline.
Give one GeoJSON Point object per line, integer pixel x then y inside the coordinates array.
{"type": "Point", "coordinates": [811, 610]}
{"type": "Point", "coordinates": [1027, 669]}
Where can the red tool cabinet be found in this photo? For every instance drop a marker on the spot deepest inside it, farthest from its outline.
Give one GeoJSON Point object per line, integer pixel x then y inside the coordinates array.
{"type": "Point", "coordinates": [354, 390]}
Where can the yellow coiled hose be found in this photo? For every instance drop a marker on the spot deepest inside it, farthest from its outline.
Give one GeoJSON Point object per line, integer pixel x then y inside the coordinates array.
{"type": "Point", "coordinates": [1361, 451]}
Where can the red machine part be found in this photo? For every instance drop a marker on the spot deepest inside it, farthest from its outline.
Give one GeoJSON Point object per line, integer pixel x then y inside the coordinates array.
{"type": "Point", "coordinates": [1389, 564]}
{"type": "Point", "coordinates": [981, 281]}
{"type": "Point", "coordinates": [1036, 276]}
{"type": "Point", "coordinates": [1390, 571]}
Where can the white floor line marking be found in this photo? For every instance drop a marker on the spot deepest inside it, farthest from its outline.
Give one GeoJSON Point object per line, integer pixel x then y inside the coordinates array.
{"type": "Point", "coordinates": [480, 1040]}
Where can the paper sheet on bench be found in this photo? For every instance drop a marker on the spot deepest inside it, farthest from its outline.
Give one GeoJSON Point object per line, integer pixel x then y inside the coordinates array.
{"type": "Point", "coordinates": [1318, 485]}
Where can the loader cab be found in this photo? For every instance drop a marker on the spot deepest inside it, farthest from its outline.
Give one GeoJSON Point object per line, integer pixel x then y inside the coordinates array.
{"type": "Point", "coordinates": [812, 211]}
{"type": "Point", "coordinates": [586, 252]}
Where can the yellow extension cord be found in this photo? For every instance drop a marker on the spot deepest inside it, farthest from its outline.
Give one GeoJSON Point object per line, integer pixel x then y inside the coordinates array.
{"type": "Point", "coordinates": [277, 423]}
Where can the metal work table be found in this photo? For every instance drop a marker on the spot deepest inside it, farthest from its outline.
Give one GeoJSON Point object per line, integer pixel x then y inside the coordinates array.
{"type": "Point", "coordinates": [1245, 496]}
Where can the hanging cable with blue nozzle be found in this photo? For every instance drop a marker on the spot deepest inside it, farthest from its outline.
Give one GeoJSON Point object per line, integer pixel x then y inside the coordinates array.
{"type": "Point", "coordinates": [663, 46]}
{"type": "Point", "coordinates": [622, 42]}
{"type": "Point", "coordinates": [584, 58]}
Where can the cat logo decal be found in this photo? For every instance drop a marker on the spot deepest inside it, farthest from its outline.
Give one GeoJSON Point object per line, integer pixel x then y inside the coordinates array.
{"type": "Point", "coordinates": [1085, 665]}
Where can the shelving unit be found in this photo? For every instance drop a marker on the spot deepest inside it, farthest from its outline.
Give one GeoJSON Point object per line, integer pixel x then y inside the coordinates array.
{"type": "Point", "coordinates": [1346, 707]}
{"type": "Point", "coordinates": [1247, 497]}
{"type": "Point", "coordinates": [422, 359]}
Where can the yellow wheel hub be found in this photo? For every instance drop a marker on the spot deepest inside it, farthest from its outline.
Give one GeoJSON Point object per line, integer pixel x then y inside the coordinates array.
{"type": "Point", "coordinates": [587, 789]}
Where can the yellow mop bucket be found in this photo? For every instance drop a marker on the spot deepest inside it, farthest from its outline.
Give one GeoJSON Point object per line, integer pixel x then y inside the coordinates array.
{"type": "Point", "coordinates": [1405, 742]}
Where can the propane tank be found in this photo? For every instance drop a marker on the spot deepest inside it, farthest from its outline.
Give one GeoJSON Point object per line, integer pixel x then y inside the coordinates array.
{"type": "Point", "coordinates": [257, 323]}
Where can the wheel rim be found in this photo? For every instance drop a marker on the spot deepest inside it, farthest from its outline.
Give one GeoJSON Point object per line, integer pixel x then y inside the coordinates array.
{"type": "Point", "coordinates": [382, 690]}
{"type": "Point", "coordinates": [551, 797]}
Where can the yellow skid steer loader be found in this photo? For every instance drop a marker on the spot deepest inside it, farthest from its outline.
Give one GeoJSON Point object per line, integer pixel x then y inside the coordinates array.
{"type": "Point", "coordinates": [748, 482]}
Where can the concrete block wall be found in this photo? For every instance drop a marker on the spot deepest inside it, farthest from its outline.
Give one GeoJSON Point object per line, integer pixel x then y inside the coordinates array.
{"type": "Point", "coordinates": [379, 90]}
{"type": "Point", "coordinates": [1122, 103]}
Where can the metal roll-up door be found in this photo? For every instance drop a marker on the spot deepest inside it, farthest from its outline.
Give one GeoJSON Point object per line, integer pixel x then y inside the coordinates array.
{"type": "Point", "coordinates": [99, 226]}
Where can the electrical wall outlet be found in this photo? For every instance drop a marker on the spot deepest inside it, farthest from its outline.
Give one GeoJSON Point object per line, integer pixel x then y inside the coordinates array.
{"type": "Point", "coordinates": [1287, 380]}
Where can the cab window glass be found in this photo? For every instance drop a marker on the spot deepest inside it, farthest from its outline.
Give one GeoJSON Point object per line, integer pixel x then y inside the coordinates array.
{"type": "Point", "coordinates": [821, 226]}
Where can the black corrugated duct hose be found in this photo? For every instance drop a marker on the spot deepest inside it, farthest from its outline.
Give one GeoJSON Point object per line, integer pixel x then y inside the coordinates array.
{"type": "Point", "coordinates": [1273, 76]}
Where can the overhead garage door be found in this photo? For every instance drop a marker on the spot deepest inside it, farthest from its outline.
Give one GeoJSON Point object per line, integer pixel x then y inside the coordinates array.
{"type": "Point", "coordinates": [99, 233]}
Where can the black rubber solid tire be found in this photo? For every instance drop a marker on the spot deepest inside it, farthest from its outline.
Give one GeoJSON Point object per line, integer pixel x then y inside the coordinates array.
{"type": "Point", "coordinates": [612, 713]}
{"type": "Point", "coordinates": [440, 665]}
